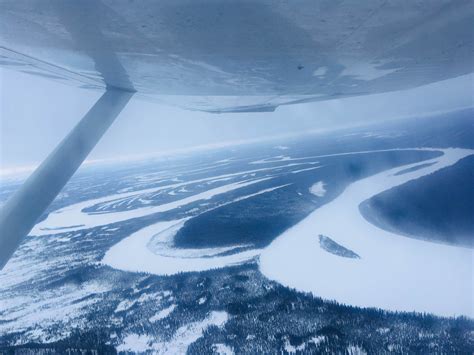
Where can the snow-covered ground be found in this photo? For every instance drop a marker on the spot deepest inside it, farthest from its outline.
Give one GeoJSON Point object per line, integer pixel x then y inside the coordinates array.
{"type": "Point", "coordinates": [134, 253]}
{"type": "Point", "coordinates": [222, 349]}
{"type": "Point", "coordinates": [318, 189]}
{"type": "Point", "coordinates": [393, 272]}
{"type": "Point", "coordinates": [184, 336]}
{"type": "Point", "coordinates": [72, 218]}
{"type": "Point", "coordinates": [163, 313]}
{"type": "Point", "coordinates": [37, 314]}
{"type": "Point", "coordinates": [152, 250]}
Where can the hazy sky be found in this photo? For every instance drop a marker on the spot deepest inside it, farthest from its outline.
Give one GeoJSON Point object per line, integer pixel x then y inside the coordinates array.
{"type": "Point", "coordinates": [36, 113]}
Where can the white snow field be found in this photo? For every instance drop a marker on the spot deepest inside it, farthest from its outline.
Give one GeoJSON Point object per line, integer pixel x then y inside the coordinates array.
{"type": "Point", "coordinates": [134, 253]}
{"type": "Point", "coordinates": [163, 313]}
{"type": "Point", "coordinates": [181, 340]}
{"type": "Point", "coordinates": [393, 272]}
{"type": "Point", "coordinates": [151, 249]}
{"type": "Point", "coordinates": [72, 218]}
{"type": "Point", "coordinates": [318, 189]}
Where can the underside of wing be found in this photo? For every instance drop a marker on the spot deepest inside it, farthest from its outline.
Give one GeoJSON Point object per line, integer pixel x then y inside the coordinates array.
{"type": "Point", "coordinates": [239, 56]}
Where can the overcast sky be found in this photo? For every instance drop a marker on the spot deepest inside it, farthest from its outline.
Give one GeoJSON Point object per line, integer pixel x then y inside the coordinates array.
{"type": "Point", "coordinates": [36, 113]}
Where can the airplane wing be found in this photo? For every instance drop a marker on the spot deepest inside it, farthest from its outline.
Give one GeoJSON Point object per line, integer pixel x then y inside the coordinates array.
{"type": "Point", "coordinates": [239, 56]}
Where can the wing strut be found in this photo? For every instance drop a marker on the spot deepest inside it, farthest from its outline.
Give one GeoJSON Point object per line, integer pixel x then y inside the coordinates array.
{"type": "Point", "coordinates": [22, 210]}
